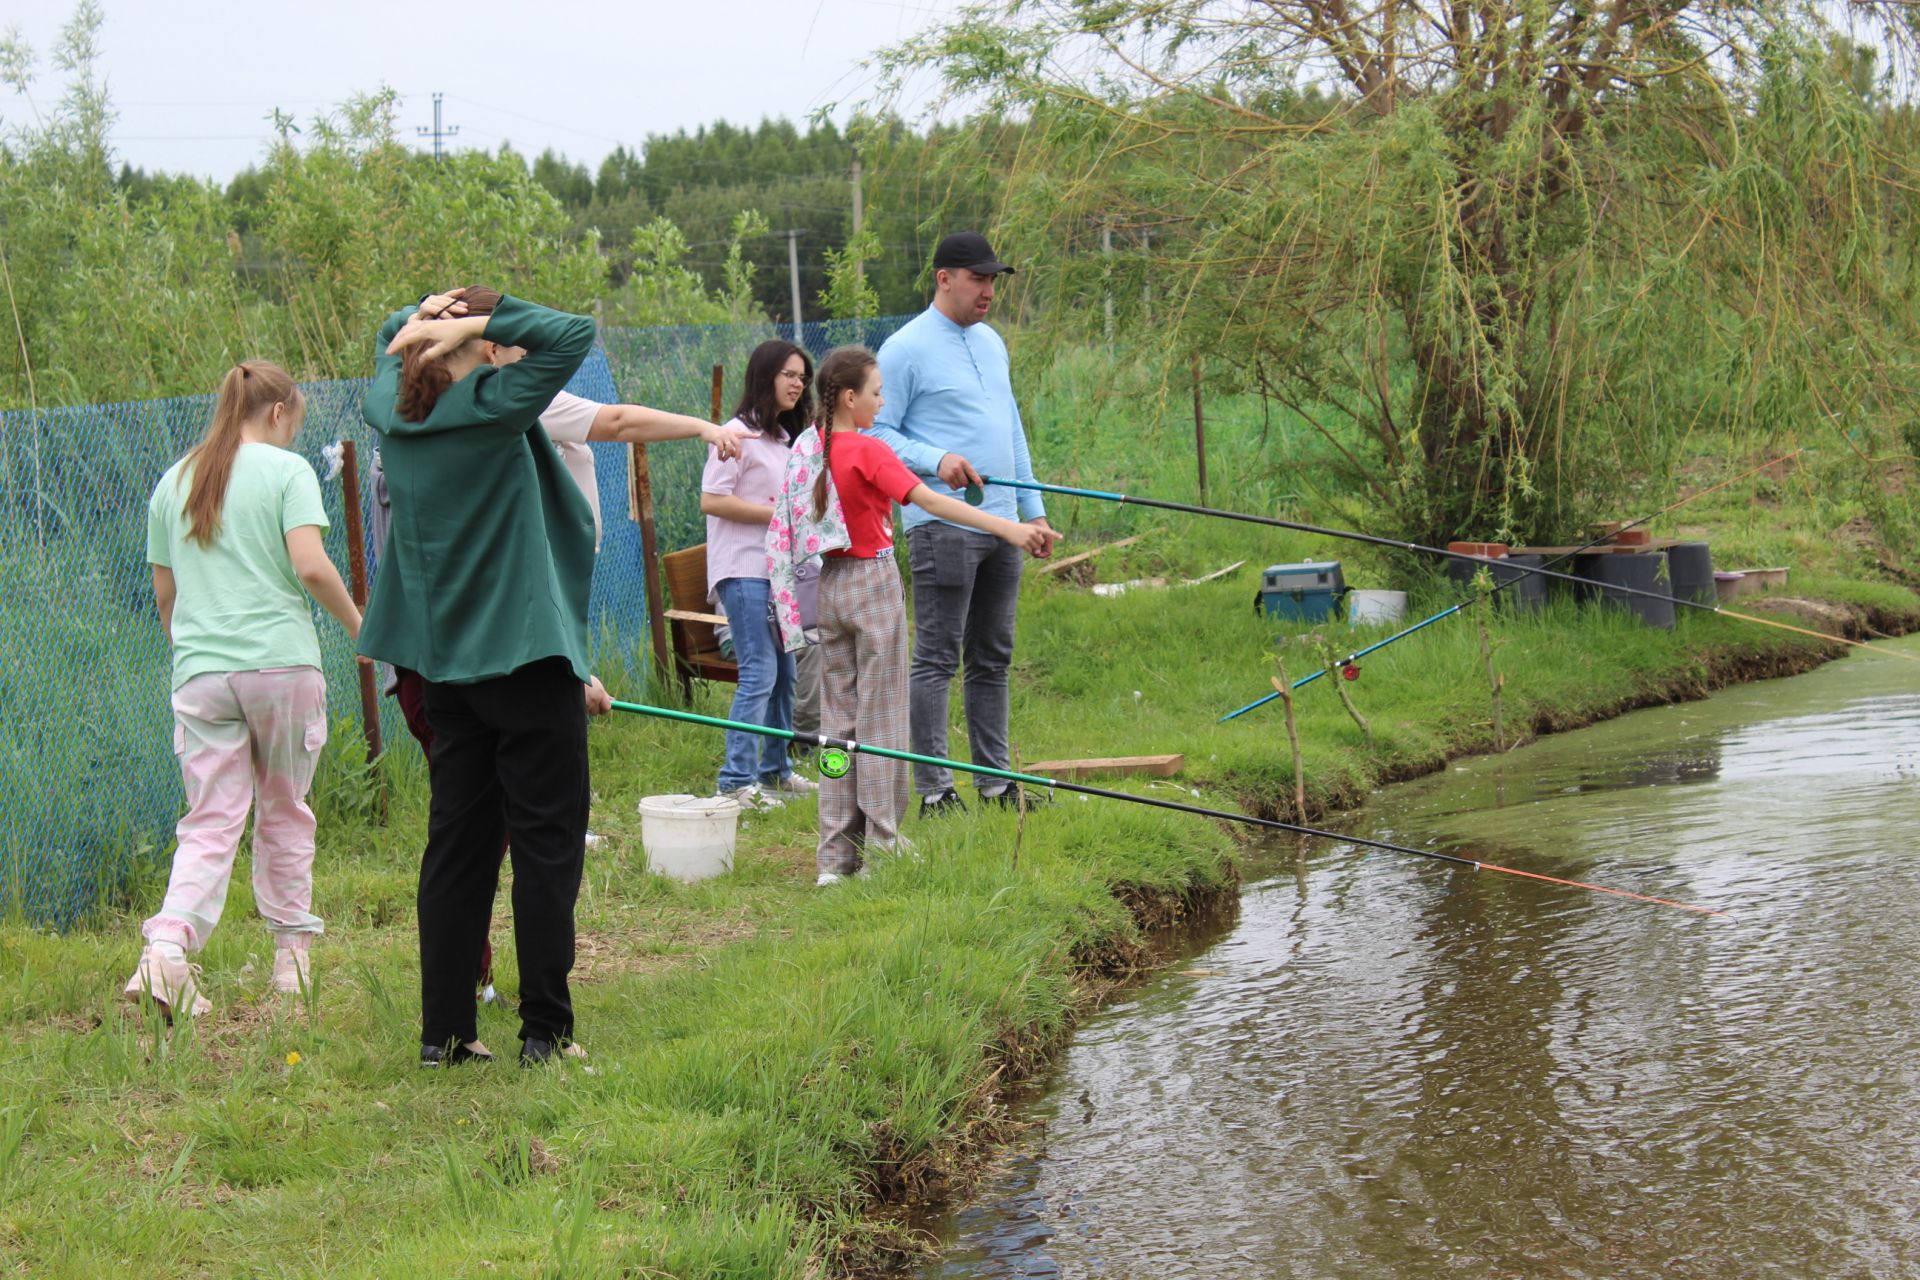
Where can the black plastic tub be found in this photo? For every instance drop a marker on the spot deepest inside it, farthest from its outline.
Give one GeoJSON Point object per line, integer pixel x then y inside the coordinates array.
{"type": "Point", "coordinates": [1690, 568]}
{"type": "Point", "coordinates": [1639, 572]}
{"type": "Point", "coordinates": [1529, 590]}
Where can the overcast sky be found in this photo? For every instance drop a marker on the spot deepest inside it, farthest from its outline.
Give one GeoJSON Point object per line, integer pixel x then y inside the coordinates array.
{"type": "Point", "coordinates": [194, 80]}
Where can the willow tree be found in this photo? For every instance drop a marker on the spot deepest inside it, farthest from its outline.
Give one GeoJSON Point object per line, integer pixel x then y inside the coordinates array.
{"type": "Point", "coordinates": [1504, 254]}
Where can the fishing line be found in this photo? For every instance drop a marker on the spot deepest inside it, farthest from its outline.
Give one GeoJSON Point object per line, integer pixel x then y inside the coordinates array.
{"type": "Point", "coordinates": [1358, 654]}
{"type": "Point", "coordinates": [836, 766]}
{"type": "Point", "coordinates": [1608, 589]}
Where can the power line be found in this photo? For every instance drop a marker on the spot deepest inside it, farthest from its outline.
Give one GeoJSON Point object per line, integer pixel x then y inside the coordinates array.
{"type": "Point", "coordinates": [192, 137]}
{"type": "Point", "coordinates": [550, 124]}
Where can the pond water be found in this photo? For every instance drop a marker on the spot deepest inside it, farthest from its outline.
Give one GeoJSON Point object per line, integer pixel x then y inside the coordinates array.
{"type": "Point", "coordinates": [1390, 1067]}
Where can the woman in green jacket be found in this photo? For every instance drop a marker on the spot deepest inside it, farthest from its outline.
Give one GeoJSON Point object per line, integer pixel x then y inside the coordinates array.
{"type": "Point", "coordinates": [483, 591]}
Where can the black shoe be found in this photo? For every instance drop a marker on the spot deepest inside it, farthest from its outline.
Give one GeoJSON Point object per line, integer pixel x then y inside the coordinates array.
{"type": "Point", "coordinates": [946, 802]}
{"type": "Point", "coordinates": [536, 1052]}
{"type": "Point", "coordinates": [1011, 797]}
{"type": "Point", "coordinates": [440, 1055]}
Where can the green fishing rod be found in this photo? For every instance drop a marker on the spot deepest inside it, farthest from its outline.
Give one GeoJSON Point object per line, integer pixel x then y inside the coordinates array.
{"type": "Point", "coordinates": [836, 758]}
{"type": "Point", "coordinates": [975, 495]}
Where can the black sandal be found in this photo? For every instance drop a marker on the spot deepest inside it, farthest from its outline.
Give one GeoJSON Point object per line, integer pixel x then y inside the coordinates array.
{"type": "Point", "coordinates": [440, 1055]}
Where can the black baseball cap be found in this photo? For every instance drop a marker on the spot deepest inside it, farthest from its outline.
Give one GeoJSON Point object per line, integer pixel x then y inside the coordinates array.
{"type": "Point", "coordinates": [968, 249]}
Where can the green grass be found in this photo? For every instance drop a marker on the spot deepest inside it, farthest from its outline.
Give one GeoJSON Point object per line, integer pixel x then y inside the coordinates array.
{"type": "Point", "coordinates": [768, 1061]}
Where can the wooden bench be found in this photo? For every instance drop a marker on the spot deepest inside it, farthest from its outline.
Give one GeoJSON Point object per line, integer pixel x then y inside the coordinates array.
{"type": "Point", "coordinates": [696, 649]}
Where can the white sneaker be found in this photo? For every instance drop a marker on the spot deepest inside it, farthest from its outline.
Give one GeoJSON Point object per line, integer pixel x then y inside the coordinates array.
{"type": "Point", "coordinates": [169, 983]}
{"type": "Point", "coordinates": [292, 973]}
{"type": "Point", "coordinates": [898, 847]}
{"type": "Point", "coordinates": [593, 838]}
{"type": "Point", "coordinates": [797, 785]}
{"type": "Point", "coordinates": [826, 878]}
{"type": "Point", "coordinates": [755, 798]}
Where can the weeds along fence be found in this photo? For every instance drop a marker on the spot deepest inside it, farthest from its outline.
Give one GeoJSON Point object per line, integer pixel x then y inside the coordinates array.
{"type": "Point", "coordinates": [89, 790]}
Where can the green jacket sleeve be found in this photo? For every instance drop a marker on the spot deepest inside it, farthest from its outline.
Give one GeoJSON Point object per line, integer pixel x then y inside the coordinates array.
{"type": "Point", "coordinates": [377, 407]}
{"type": "Point", "coordinates": [556, 343]}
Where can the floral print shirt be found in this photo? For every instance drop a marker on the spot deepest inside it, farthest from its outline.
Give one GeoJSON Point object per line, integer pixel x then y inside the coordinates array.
{"type": "Point", "coordinates": [795, 536]}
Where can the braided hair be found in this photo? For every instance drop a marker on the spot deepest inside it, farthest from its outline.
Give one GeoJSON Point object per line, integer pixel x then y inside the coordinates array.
{"type": "Point", "coordinates": [844, 369]}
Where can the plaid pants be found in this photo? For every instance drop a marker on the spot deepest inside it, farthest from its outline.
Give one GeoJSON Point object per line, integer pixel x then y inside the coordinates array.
{"type": "Point", "coordinates": [863, 696]}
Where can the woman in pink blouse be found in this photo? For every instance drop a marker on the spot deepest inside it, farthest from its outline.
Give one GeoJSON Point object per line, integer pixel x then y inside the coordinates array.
{"type": "Point", "coordinates": [737, 495]}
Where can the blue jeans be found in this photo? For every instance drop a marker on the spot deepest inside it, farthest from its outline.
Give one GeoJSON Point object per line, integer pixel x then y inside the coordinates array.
{"type": "Point", "coordinates": [765, 692]}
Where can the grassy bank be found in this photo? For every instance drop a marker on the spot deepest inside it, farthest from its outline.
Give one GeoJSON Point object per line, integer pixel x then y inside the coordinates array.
{"type": "Point", "coordinates": [771, 1066]}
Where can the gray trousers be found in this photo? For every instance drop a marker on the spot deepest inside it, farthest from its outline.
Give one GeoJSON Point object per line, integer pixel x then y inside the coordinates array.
{"type": "Point", "coordinates": [966, 588]}
{"type": "Point", "coordinates": [863, 685]}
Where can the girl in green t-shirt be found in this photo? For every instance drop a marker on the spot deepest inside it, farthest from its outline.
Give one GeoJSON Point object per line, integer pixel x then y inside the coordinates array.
{"type": "Point", "coordinates": [233, 535]}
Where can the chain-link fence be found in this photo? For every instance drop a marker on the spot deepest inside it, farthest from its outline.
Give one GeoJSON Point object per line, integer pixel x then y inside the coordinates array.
{"type": "Point", "coordinates": [89, 790]}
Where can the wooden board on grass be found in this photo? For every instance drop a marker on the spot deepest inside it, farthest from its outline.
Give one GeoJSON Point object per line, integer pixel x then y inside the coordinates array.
{"type": "Point", "coordinates": [1059, 565]}
{"type": "Point", "coordinates": [1148, 766]}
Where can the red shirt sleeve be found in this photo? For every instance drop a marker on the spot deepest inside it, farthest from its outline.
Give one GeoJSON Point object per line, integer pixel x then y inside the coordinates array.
{"type": "Point", "coordinates": [879, 467]}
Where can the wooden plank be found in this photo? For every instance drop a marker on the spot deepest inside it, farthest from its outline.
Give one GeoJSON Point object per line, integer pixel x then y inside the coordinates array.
{"type": "Point", "coordinates": [688, 615]}
{"type": "Point", "coordinates": [1059, 565]}
{"type": "Point", "coordinates": [1148, 766]}
{"type": "Point", "coordinates": [357, 575]}
{"type": "Point", "coordinates": [1216, 574]}
{"type": "Point", "coordinates": [640, 488]}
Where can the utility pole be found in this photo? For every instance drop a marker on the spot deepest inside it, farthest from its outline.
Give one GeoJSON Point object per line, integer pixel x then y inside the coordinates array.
{"type": "Point", "coordinates": [859, 216]}
{"type": "Point", "coordinates": [437, 133]}
{"type": "Point", "coordinates": [793, 271]}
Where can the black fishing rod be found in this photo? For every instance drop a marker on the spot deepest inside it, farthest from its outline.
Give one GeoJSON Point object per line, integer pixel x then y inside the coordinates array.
{"type": "Point", "coordinates": [975, 494]}
{"type": "Point", "coordinates": [1498, 587]}
{"type": "Point", "coordinates": [836, 758]}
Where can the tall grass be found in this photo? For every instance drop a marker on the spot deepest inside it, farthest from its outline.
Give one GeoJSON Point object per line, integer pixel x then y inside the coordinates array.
{"type": "Point", "coordinates": [768, 1062]}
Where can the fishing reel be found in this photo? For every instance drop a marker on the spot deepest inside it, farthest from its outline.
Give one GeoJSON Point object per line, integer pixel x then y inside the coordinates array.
{"type": "Point", "coordinates": [835, 763]}
{"type": "Point", "coordinates": [1349, 670]}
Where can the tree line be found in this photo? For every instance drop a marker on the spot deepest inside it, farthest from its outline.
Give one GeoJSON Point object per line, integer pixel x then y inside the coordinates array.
{"type": "Point", "coordinates": [124, 283]}
{"type": "Point", "coordinates": [1508, 259]}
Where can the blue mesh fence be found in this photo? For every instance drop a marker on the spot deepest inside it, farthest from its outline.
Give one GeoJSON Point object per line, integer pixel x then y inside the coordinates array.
{"type": "Point", "coordinates": [89, 791]}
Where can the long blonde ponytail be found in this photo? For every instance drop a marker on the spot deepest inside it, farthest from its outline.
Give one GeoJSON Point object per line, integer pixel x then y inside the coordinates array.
{"type": "Point", "coordinates": [250, 389]}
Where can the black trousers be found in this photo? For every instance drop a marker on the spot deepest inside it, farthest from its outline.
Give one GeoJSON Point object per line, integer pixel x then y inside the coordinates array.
{"type": "Point", "coordinates": [508, 753]}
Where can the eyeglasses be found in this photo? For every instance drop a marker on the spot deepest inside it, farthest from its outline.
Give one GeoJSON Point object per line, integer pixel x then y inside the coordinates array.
{"type": "Point", "coordinates": [801, 378]}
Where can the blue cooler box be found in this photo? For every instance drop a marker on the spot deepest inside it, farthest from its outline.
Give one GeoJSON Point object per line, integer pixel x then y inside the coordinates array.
{"type": "Point", "coordinates": [1308, 592]}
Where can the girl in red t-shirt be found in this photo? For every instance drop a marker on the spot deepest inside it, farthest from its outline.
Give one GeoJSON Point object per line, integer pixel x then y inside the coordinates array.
{"type": "Point", "coordinates": [863, 612]}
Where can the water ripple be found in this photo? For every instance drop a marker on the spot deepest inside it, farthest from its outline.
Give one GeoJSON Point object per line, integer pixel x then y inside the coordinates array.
{"type": "Point", "coordinates": [1391, 1068]}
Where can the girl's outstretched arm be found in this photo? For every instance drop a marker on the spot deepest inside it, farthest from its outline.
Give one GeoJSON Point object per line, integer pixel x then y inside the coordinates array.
{"type": "Point", "coordinates": [1035, 540]}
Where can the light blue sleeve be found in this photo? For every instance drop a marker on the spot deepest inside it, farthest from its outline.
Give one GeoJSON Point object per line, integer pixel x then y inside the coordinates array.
{"type": "Point", "coordinates": [889, 428]}
{"type": "Point", "coordinates": [1028, 500]}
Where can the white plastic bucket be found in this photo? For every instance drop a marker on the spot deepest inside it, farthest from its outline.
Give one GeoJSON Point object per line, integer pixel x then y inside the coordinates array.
{"type": "Point", "coordinates": [1367, 607]}
{"type": "Point", "coordinates": [689, 837]}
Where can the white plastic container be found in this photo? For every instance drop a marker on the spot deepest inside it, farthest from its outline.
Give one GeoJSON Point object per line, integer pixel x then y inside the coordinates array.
{"type": "Point", "coordinates": [689, 837]}
{"type": "Point", "coordinates": [1365, 608]}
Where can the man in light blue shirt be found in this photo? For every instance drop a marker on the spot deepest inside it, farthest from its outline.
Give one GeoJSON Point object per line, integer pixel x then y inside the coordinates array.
{"type": "Point", "coordinates": [950, 416]}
